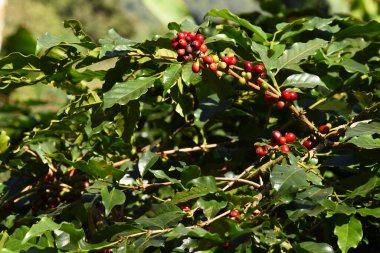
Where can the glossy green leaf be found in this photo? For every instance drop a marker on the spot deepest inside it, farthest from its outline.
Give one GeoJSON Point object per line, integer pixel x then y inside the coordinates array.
{"type": "Point", "coordinates": [364, 128]}
{"type": "Point", "coordinates": [287, 179]}
{"type": "Point", "coordinates": [365, 141]}
{"type": "Point", "coordinates": [146, 161]}
{"type": "Point", "coordinates": [42, 226]}
{"type": "Point", "coordinates": [122, 93]}
{"type": "Point", "coordinates": [349, 232]}
{"type": "Point", "coordinates": [110, 199]}
{"type": "Point", "coordinates": [226, 14]}
{"type": "Point", "coordinates": [304, 80]}
{"type": "Point", "coordinates": [171, 75]}
{"type": "Point", "coordinates": [314, 247]}
{"type": "Point", "coordinates": [298, 52]}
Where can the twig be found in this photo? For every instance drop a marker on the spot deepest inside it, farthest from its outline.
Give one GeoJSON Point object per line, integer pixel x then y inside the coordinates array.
{"type": "Point", "coordinates": [250, 84]}
{"type": "Point", "coordinates": [301, 116]}
{"type": "Point", "coordinates": [238, 180]}
{"type": "Point", "coordinates": [181, 150]}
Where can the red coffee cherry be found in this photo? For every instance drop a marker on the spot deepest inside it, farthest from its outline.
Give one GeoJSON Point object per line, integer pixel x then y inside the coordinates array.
{"type": "Point", "coordinates": [213, 66]}
{"type": "Point", "coordinates": [282, 140]}
{"type": "Point", "coordinates": [285, 95]}
{"type": "Point", "coordinates": [290, 137]}
{"type": "Point", "coordinates": [259, 68]}
{"type": "Point", "coordinates": [181, 51]}
{"type": "Point", "coordinates": [234, 214]}
{"type": "Point", "coordinates": [248, 66]}
{"type": "Point", "coordinates": [196, 44]}
{"type": "Point", "coordinates": [175, 44]}
{"type": "Point", "coordinates": [293, 95]}
{"type": "Point", "coordinates": [203, 48]}
{"type": "Point", "coordinates": [192, 36]}
{"type": "Point", "coordinates": [280, 104]}
{"type": "Point", "coordinates": [195, 67]}
{"type": "Point", "coordinates": [200, 38]}
{"type": "Point", "coordinates": [182, 35]}
{"type": "Point", "coordinates": [232, 60]}
{"type": "Point", "coordinates": [207, 59]}
{"type": "Point", "coordinates": [182, 43]}
{"type": "Point", "coordinates": [186, 208]}
{"type": "Point", "coordinates": [189, 49]}
{"type": "Point", "coordinates": [276, 135]}
{"type": "Point", "coordinates": [308, 144]}
{"type": "Point", "coordinates": [324, 129]}
{"type": "Point", "coordinates": [86, 184]}
{"type": "Point", "coordinates": [260, 151]}
{"type": "Point", "coordinates": [285, 148]}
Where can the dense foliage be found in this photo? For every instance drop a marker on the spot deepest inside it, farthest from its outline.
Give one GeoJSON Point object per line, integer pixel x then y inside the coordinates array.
{"type": "Point", "coordinates": [148, 156]}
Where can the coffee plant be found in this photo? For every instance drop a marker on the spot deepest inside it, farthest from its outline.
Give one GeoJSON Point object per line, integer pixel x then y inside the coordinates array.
{"type": "Point", "coordinates": [224, 137]}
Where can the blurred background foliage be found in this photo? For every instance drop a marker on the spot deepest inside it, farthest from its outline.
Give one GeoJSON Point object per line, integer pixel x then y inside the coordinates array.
{"type": "Point", "coordinates": [27, 20]}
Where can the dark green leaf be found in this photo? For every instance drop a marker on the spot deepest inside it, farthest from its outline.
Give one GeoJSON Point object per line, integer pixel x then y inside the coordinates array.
{"type": "Point", "coordinates": [171, 76]}
{"type": "Point", "coordinates": [205, 182]}
{"type": "Point", "coordinates": [287, 179]}
{"type": "Point", "coordinates": [366, 188]}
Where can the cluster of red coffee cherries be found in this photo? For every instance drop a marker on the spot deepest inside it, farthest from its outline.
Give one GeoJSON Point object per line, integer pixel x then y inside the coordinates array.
{"type": "Point", "coordinates": [188, 45]}
{"type": "Point", "coordinates": [277, 140]}
{"type": "Point", "coordinates": [254, 72]}
{"type": "Point", "coordinates": [214, 63]}
{"type": "Point", "coordinates": [311, 141]}
{"type": "Point", "coordinates": [234, 214]}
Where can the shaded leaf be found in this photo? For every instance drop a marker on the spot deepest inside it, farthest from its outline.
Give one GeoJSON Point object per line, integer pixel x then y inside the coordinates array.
{"type": "Point", "coordinates": [4, 141]}
{"type": "Point", "coordinates": [370, 29]}
{"type": "Point", "coordinates": [193, 193]}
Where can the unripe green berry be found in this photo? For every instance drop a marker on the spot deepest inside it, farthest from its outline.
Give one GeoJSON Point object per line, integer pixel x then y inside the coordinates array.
{"type": "Point", "coordinates": [242, 80]}
{"type": "Point", "coordinates": [248, 75]}
{"type": "Point", "coordinates": [219, 73]}
{"type": "Point", "coordinates": [264, 86]}
{"type": "Point", "coordinates": [222, 65]}
{"type": "Point", "coordinates": [243, 73]}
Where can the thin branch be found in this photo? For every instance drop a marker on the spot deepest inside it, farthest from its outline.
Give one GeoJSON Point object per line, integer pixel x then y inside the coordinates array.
{"type": "Point", "coordinates": [238, 180]}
